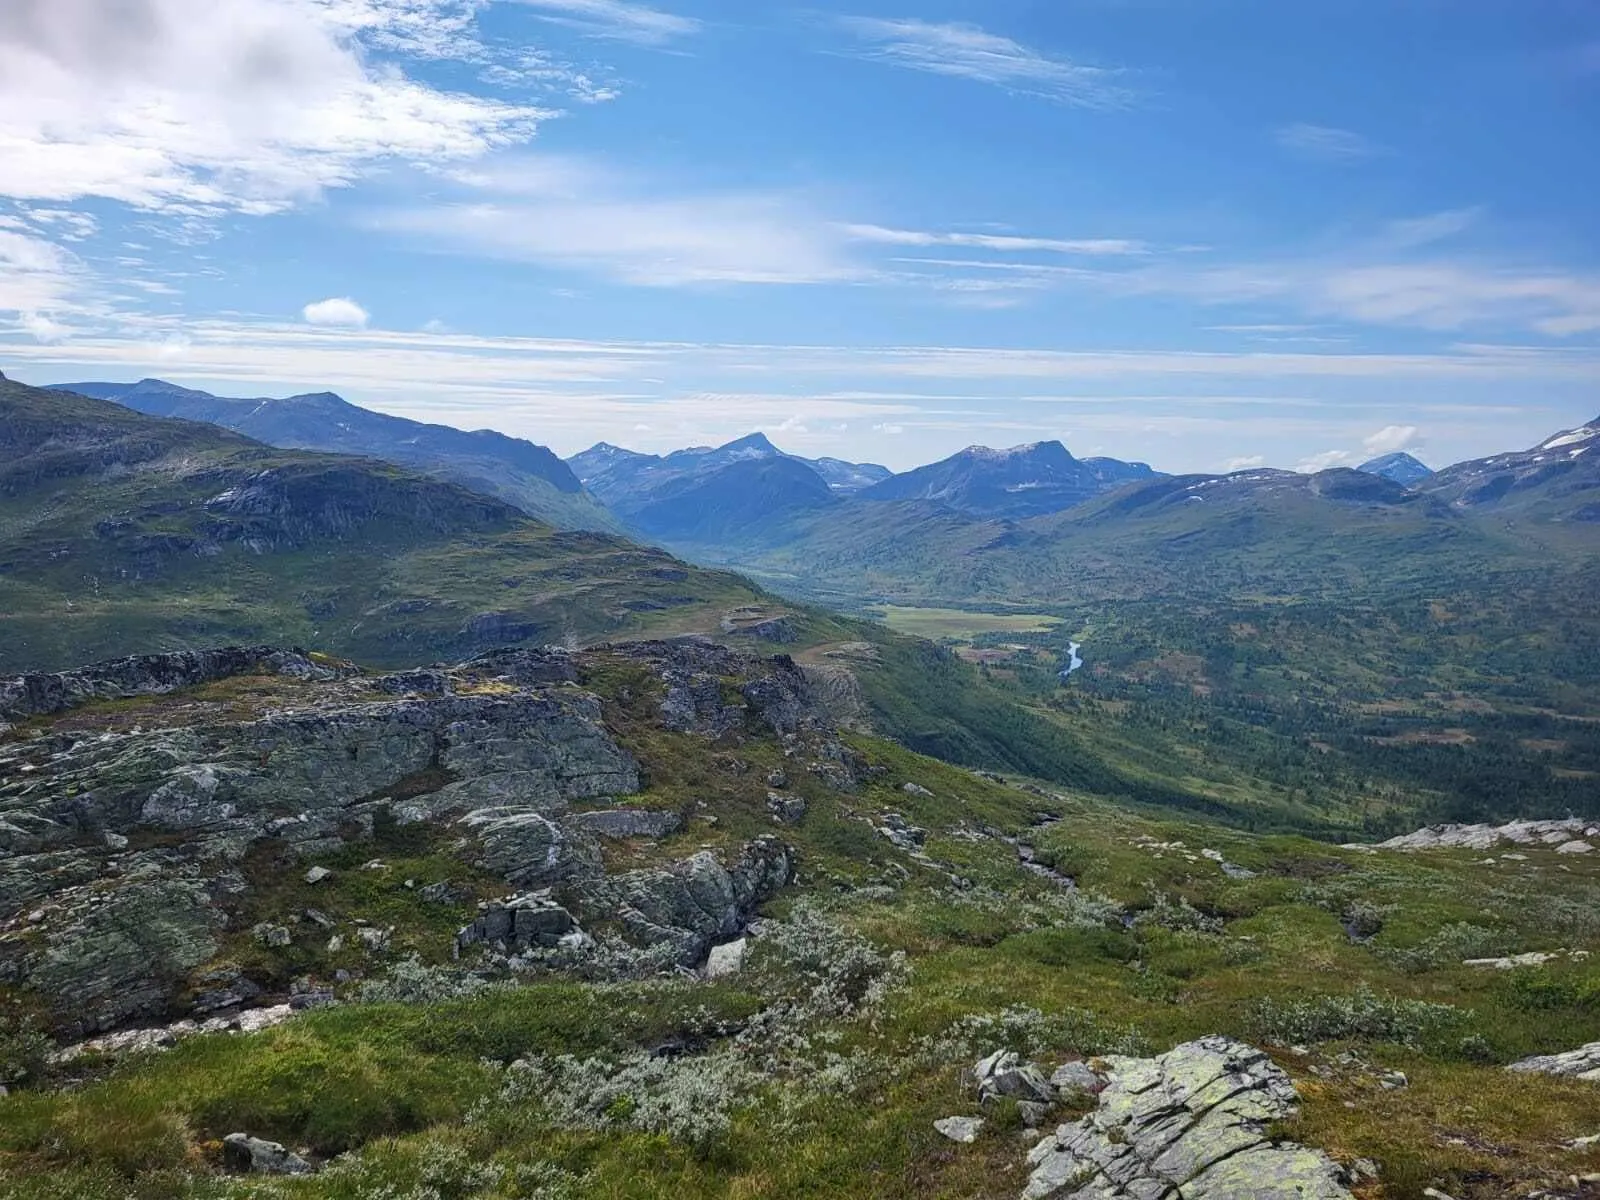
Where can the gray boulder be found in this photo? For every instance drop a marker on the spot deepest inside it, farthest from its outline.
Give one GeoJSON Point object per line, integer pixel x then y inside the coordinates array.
{"type": "Point", "coordinates": [1191, 1124]}
{"type": "Point", "coordinates": [963, 1130]}
{"type": "Point", "coordinates": [791, 810]}
{"type": "Point", "coordinates": [256, 1156]}
{"type": "Point", "coordinates": [1582, 1063]}
{"type": "Point", "coordinates": [534, 922]}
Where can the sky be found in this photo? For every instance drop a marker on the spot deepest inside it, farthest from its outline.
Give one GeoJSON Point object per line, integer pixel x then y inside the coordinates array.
{"type": "Point", "coordinates": [1206, 234]}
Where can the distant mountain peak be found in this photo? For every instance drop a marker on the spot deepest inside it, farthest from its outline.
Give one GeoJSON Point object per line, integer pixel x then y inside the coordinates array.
{"type": "Point", "coordinates": [1399, 467]}
{"type": "Point", "coordinates": [751, 442]}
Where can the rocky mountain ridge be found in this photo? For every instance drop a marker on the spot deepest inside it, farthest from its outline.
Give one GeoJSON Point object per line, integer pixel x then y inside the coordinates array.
{"type": "Point", "coordinates": [519, 472]}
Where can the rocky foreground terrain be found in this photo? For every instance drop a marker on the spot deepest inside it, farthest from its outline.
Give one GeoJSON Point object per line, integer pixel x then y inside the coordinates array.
{"type": "Point", "coordinates": [127, 853]}
{"type": "Point", "coordinates": [273, 925]}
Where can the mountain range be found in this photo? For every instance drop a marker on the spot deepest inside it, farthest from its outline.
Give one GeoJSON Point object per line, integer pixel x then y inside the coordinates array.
{"type": "Point", "coordinates": [523, 474]}
{"type": "Point", "coordinates": [1023, 481]}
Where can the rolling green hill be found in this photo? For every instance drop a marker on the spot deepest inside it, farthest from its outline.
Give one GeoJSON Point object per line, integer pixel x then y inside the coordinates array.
{"type": "Point", "coordinates": [121, 532]}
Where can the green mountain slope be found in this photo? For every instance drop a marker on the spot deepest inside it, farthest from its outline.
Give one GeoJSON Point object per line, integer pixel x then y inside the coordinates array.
{"type": "Point", "coordinates": [525, 475]}
{"type": "Point", "coordinates": [121, 532]}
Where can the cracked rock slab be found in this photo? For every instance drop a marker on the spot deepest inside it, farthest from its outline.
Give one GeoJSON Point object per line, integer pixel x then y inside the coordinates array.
{"type": "Point", "coordinates": [1582, 1063]}
{"type": "Point", "coordinates": [1189, 1125]}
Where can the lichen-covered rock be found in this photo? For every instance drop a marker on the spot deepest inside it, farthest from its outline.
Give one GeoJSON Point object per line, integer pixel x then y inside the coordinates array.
{"type": "Point", "coordinates": [532, 922]}
{"type": "Point", "coordinates": [1189, 1125]}
{"type": "Point", "coordinates": [791, 810]}
{"type": "Point", "coordinates": [963, 1130]}
{"type": "Point", "coordinates": [693, 903]}
{"type": "Point", "coordinates": [625, 823]}
{"type": "Point", "coordinates": [120, 955]}
{"type": "Point", "coordinates": [125, 849]}
{"type": "Point", "coordinates": [1582, 1063]}
{"type": "Point", "coordinates": [1487, 837]}
{"type": "Point", "coordinates": [726, 959]}
{"type": "Point", "coordinates": [528, 848]}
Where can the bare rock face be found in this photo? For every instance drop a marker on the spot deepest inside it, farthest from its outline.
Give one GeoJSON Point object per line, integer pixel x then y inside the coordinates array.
{"type": "Point", "coordinates": [1189, 1125]}
{"type": "Point", "coordinates": [121, 848]}
{"type": "Point", "coordinates": [43, 693]}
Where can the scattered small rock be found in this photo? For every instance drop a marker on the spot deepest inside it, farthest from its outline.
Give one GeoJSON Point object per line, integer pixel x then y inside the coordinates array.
{"type": "Point", "coordinates": [964, 1130]}
{"type": "Point", "coordinates": [726, 959]}
{"type": "Point", "coordinates": [788, 809]}
{"type": "Point", "coordinates": [318, 874]}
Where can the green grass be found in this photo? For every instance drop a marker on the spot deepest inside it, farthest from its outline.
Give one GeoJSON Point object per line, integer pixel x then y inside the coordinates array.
{"type": "Point", "coordinates": [960, 624]}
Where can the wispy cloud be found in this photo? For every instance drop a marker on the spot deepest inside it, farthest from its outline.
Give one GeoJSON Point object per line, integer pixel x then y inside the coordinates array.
{"type": "Point", "coordinates": [1325, 461]}
{"type": "Point", "coordinates": [1324, 143]}
{"type": "Point", "coordinates": [616, 19]}
{"type": "Point", "coordinates": [997, 242]}
{"type": "Point", "coordinates": [569, 214]}
{"type": "Point", "coordinates": [1393, 438]}
{"type": "Point", "coordinates": [1435, 227]}
{"type": "Point", "coordinates": [969, 52]}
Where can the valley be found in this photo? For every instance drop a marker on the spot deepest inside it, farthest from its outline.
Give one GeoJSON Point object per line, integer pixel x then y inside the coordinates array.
{"type": "Point", "coordinates": [552, 850]}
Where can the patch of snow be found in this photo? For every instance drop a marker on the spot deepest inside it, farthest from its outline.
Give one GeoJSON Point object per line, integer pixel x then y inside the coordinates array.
{"type": "Point", "coordinates": [1587, 433]}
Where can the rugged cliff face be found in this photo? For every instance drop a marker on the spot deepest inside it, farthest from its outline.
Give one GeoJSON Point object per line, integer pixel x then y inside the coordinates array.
{"type": "Point", "coordinates": [145, 840]}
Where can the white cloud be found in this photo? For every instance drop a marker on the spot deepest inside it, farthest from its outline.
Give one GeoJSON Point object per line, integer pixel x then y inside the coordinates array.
{"type": "Point", "coordinates": [892, 430]}
{"type": "Point", "coordinates": [998, 242]}
{"type": "Point", "coordinates": [1324, 143]}
{"type": "Point", "coordinates": [1392, 439]}
{"type": "Point", "coordinates": [42, 328]}
{"type": "Point", "coordinates": [1435, 227]}
{"type": "Point", "coordinates": [338, 312]}
{"type": "Point", "coordinates": [1244, 463]}
{"type": "Point", "coordinates": [237, 105]}
{"type": "Point", "coordinates": [616, 19]}
{"type": "Point", "coordinates": [968, 52]}
{"type": "Point", "coordinates": [564, 213]}
{"type": "Point", "coordinates": [1324, 461]}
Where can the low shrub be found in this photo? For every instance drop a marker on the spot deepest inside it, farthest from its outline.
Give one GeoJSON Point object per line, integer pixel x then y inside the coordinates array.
{"type": "Point", "coordinates": [1362, 1014]}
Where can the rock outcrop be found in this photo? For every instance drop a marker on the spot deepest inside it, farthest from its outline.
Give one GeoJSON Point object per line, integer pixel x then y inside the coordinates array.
{"type": "Point", "coordinates": [1189, 1125]}
{"type": "Point", "coordinates": [1582, 1063]}
{"type": "Point", "coordinates": [43, 693]}
{"type": "Point", "coordinates": [1564, 835]}
{"type": "Point", "coordinates": [691, 904]}
{"type": "Point", "coordinates": [124, 850]}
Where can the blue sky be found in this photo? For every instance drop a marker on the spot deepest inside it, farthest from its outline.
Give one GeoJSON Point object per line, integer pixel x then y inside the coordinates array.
{"type": "Point", "coordinates": [1204, 233]}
